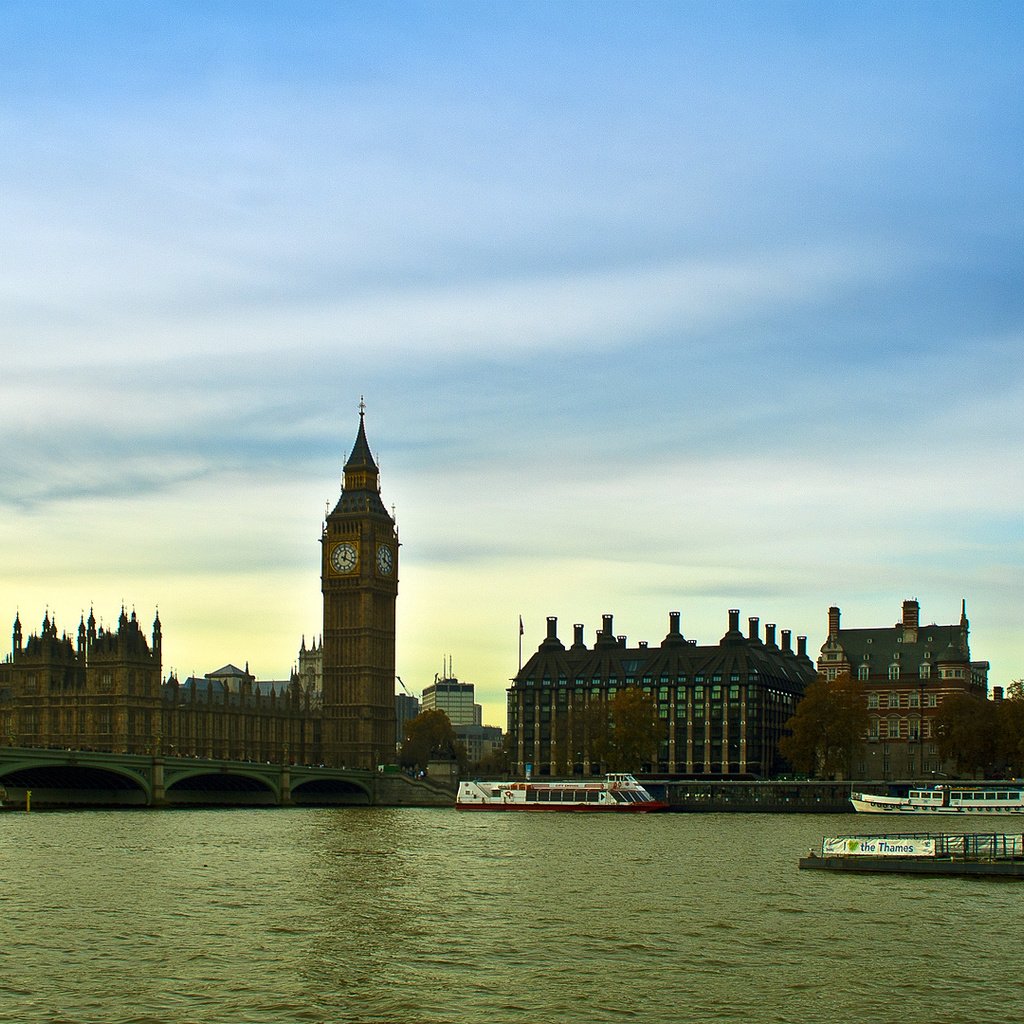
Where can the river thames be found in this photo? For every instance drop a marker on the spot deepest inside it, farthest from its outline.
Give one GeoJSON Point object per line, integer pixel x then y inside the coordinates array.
{"type": "Point", "coordinates": [431, 916]}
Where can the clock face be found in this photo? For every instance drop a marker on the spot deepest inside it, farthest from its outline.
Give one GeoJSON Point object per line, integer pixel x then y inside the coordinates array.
{"type": "Point", "coordinates": [385, 560]}
{"type": "Point", "coordinates": [343, 558]}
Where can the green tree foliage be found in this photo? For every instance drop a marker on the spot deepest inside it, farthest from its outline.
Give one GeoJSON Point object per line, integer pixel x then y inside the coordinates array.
{"type": "Point", "coordinates": [827, 728]}
{"type": "Point", "coordinates": [626, 734]}
{"type": "Point", "coordinates": [428, 736]}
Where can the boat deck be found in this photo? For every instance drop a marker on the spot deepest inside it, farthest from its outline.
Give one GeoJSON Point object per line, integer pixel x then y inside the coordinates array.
{"type": "Point", "coordinates": [943, 853]}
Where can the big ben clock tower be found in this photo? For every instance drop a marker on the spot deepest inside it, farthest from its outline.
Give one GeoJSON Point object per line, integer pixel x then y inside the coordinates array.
{"type": "Point", "coordinates": [359, 580]}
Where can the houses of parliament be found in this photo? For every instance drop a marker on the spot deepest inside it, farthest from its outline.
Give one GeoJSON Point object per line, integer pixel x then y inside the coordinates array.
{"type": "Point", "coordinates": [103, 688]}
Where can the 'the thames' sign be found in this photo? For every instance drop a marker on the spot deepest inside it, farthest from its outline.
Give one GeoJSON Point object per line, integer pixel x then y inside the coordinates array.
{"type": "Point", "coordinates": [863, 846]}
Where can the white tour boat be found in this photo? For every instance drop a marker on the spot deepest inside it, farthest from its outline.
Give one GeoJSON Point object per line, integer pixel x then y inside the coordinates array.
{"type": "Point", "coordinates": [972, 800]}
{"type": "Point", "coordinates": [613, 793]}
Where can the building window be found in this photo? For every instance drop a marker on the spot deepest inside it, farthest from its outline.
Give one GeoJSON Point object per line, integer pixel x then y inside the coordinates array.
{"type": "Point", "coordinates": [894, 671]}
{"type": "Point", "coordinates": [915, 700]}
{"type": "Point", "coordinates": [873, 728]}
{"type": "Point", "coordinates": [894, 700]}
{"type": "Point", "coordinates": [863, 673]}
{"type": "Point", "coordinates": [926, 671]}
{"type": "Point", "coordinates": [872, 700]}
{"type": "Point", "coordinates": [893, 727]}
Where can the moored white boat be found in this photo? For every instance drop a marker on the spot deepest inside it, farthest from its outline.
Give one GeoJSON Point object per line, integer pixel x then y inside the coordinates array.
{"type": "Point", "coordinates": [972, 800]}
{"type": "Point", "coordinates": [619, 793]}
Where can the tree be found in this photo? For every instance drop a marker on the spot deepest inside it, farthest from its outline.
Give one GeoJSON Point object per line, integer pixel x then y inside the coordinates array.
{"type": "Point", "coordinates": [967, 728]}
{"type": "Point", "coordinates": [1011, 728]}
{"type": "Point", "coordinates": [633, 731]}
{"type": "Point", "coordinates": [428, 736]}
{"type": "Point", "coordinates": [827, 728]}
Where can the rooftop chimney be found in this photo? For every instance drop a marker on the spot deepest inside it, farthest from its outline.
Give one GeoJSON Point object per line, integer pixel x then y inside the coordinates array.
{"type": "Point", "coordinates": [754, 622]}
{"type": "Point", "coordinates": [911, 612]}
{"type": "Point", "coordinates": [577, 634]}
{"type": "Point", "coordinates": [734, 620]}
{"type": "Point", "coordinates": [833, 621]}
{"type": "Point", "coordinates": [801, 646]}
{"type": "Point", "coordinates": [786, 643]}
{"type": "Point", "coordinates": [769, 634]}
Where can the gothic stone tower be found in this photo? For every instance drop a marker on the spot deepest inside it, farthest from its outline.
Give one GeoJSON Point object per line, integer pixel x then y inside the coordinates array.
{"type": "Point", "coordinates": [359, 580]}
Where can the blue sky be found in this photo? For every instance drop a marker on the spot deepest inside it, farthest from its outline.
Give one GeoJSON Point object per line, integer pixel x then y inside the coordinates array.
{"type": "Point", "coordinates": [655, 307]}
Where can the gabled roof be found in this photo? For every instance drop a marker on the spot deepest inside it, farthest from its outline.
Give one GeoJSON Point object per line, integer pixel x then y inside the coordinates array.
{"type": "Point", "coordinates": [227, 670]}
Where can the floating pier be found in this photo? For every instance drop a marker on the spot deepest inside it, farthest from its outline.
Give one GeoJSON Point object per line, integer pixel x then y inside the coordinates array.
{"type": "Point", "coordinates": [922, 853]}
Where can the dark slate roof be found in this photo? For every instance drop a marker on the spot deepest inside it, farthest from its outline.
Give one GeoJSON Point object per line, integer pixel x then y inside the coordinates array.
{"type": "Point", "coordinates": [675, 656]}
{"type": "Point", "coordinates": [943, 644]}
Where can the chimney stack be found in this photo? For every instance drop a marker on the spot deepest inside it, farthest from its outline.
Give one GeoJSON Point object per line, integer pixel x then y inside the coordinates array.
{"type": "Point", "coordinates": [833, 621]}
{"type": "Point", "coordinates": [786, 643]}
{"type": "Point", "coordinates": [769, 634]}
{"type": "Point", "coordinates": [801, 646]}
{"type": "Point", "coordinates": [754, 623]}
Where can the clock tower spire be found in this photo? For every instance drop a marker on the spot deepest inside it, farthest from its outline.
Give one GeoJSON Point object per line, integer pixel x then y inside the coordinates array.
{"type": "Point", "coordinates": [359, 582]}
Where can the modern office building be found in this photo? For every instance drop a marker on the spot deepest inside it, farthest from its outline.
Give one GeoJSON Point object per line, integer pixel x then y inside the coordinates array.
{"type": "Point", "coordinates": [407, 707]}
{"type": "Point", "coordinates": [455, 699]}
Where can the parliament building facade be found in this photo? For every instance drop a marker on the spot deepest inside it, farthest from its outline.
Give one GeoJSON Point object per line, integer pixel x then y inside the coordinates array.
{"type": "Point", "coordinates": [102, 689]}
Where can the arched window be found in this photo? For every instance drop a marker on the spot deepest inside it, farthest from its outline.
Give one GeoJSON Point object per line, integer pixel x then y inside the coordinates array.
{"type": "Point", "coordinates": [894, 671]}
{"type": "Point", "coordinates": [893, 724]}
{"type": "Point", "coordinates": [863, 673]}
{"type": "Point", "coordinates": [926, 671]}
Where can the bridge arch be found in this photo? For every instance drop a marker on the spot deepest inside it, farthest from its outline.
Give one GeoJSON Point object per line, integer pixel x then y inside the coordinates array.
{"type": "Point", "coordinates": [204, 786]}
{"type": "Point", "coordinates": [323, 791]}
{"type": "Point", "coordinates": [66, 782]}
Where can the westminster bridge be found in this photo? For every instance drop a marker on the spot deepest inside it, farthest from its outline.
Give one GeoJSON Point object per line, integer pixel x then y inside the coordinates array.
{"type": "Point", "coordinates": [52, 778]}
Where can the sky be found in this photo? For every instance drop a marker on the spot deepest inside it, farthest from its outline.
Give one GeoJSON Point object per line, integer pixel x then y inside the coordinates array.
{"type": "Point", "coordinates": [654, 307]}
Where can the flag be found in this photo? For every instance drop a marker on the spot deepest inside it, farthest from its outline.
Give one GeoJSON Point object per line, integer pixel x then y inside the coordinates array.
{"type": "Point", "coordinates": [520, 625]}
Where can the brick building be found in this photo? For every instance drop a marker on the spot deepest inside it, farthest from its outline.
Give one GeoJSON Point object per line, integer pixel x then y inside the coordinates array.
{"type": "Point", "coordinates": [906, 670]}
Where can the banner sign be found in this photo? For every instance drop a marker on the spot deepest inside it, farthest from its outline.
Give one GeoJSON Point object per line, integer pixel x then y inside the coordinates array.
{"type": "Point", "coordinates": [877, 846]}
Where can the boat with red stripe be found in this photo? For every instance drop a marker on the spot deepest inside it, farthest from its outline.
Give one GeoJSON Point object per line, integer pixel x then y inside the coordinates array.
{"type": "Point", "coordinates": [616, 794]}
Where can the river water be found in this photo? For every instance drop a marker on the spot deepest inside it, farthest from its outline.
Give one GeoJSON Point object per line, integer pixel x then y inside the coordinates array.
{"type": "Point", "coordinates": [428, 916]}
